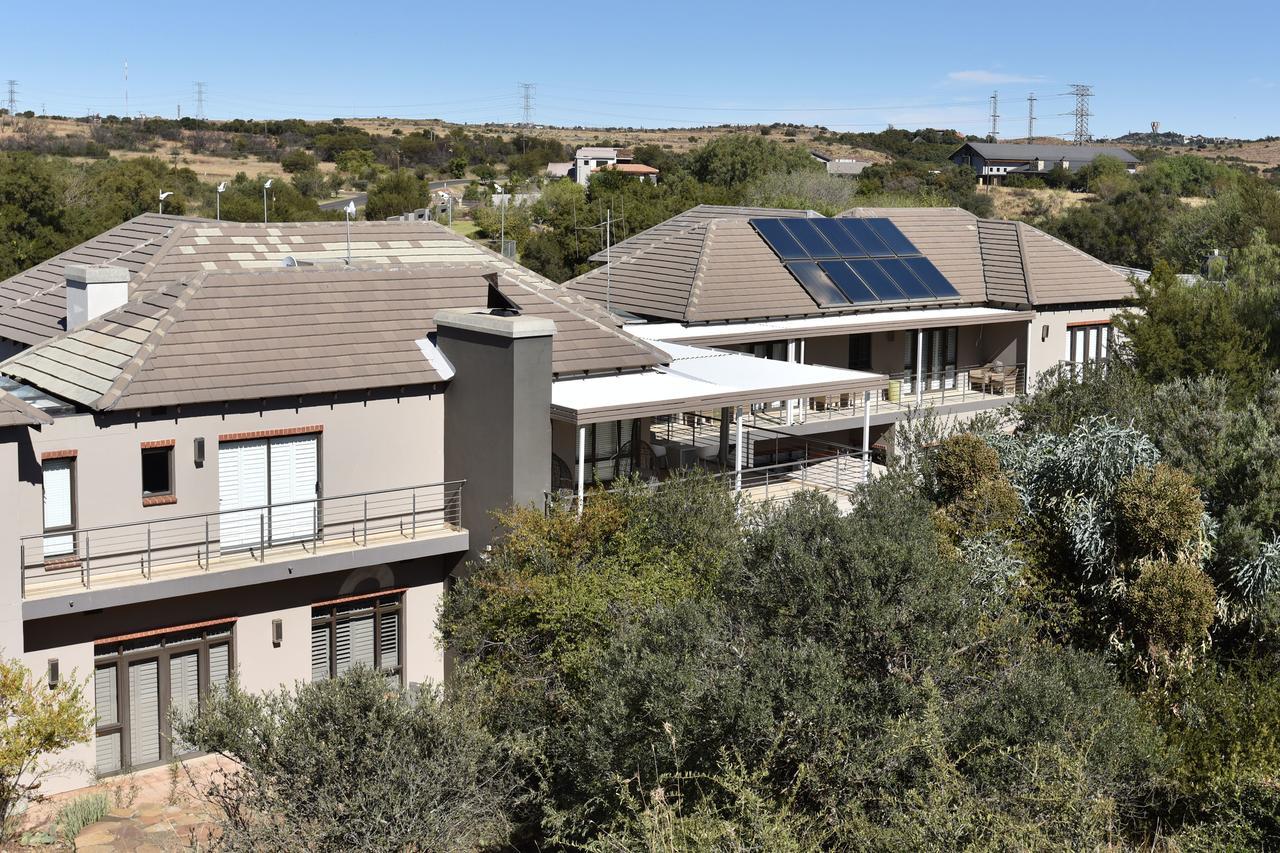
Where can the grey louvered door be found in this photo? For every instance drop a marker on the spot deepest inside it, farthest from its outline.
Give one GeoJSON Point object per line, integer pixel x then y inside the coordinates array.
{"type": "Point", "coordinates": [107, 707]}
{"type": "Point", "coordinates": [354, 643]}
{"type": "Point", "coordinates": [184, 689]}
{"type": "Point", "coordinates": [319, 652]}
{"type": "Point", "coordinates": [144, 712]}
{"type": "Point", "coordinates": [219, 666]}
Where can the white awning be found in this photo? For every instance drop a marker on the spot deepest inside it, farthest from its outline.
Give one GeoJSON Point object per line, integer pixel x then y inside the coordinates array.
{"type": "Point", "coordinates": [699, 379]}
{"type": "Point", "coordinates": [816, 327]}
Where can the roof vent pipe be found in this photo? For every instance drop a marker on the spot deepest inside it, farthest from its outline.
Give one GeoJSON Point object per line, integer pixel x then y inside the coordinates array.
{"type": "Point", "coordinates": [93, 291]}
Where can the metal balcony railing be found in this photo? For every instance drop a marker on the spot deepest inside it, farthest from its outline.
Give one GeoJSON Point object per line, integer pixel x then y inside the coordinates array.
{"type": "Point", "coordinates": [952, 386]}
{"type": "Point", "coordinates": [118, 554]}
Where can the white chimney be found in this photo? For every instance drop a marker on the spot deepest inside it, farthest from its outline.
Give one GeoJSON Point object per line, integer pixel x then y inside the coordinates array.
{"type": "Point", "coordinates": [1066, 164]}
{"type": "Point", "coordinates": [93, 291]}
{"type": "Point", "coordinates": [1039, 164]}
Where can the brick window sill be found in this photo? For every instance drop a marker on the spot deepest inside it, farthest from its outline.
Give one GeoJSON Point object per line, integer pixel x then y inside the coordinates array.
{"type": "Point", "coordinates": [160, 500]}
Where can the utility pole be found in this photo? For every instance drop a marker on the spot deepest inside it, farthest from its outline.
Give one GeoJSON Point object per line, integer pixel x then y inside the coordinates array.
{"type": "Point", "coordinates": [1031, 118]}
{"type": "Point", "coordinates": [200, 90]}
{"type": "Point", "coordinates": [608, 259]}
{"type": "Point", "coordinates": [1082, 94]}
{"type": "Point", "coordinates": [995, 116]}
{"type": "Point", "coordinates": [126, 88]}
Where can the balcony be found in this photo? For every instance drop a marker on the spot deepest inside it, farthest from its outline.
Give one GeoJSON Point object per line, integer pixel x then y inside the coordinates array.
{"type": "Point", "coordinates": [226, 547]}
{"type": "Point", "coordinates": [971, 388]}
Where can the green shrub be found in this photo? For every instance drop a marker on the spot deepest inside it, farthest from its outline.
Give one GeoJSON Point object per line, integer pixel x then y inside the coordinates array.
{"type": "Point", "coordinates": [960, 463]}
{"type": "Point", "coordinates": [1157, 511]}
{"type": "Point", "coordinates": [1172, 604]}
{"type": "Point", "coordinates": [990, 505]}
{"type": "Point", "coordinates": [79, 813]}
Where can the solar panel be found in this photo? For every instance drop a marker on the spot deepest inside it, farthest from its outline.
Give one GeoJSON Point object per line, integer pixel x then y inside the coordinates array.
{"type": "Point", "coordinates": [868, 239]}
{"type": "Point", "coordinates": [892, 237]}
{"type": "Point", "coordinates": [912, 287]}
{"type": "Point", "coordinates": [814, 243]}
{"type": "Point", "coordinates": [931, 276]}
{"type": "Point", "coordinates": [816, 283]}
{"type": "Point", "coordinates": [876, 280]}
{"type": "Point", "coordinates": [838, 237]}
{"type": "Point", "coordinates": [779, 239]}
{"type": "Point", "coordinates": [854, 261]}
{"type": "Point", "coordinates": [854, 290]}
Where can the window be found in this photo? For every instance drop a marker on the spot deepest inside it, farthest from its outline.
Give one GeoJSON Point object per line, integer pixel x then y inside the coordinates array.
{"type": "Point", "coordinates": [365, 630]}
{"type": "Point", "coordinates": [139, 683]}
{"type": "Point", "coordinates": [775, 350]}
{"type": "Point", "coordinates": [59, 478]}
{"type": "Point", "coordinates": [157, 472]}
{"type": "Point", "coordinates": [1088, 342]}
{"type": "Point", "coordinates": [939, 359]}
{"type": "Point", "coordinates": [609, 450]}
{"type": "Point", "coordinates": [860, 352]}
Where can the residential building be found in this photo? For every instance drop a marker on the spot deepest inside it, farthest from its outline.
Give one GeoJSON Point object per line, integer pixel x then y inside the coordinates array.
{"type": "Point", "coordinates": [947, 309]}
{"type": "Point", "coordinates": [846, 167]}
{"type": "Point", "coordinates": [994, 160]}
{"type": "Point", "coordinates": [586, 161]}
{"type": "Point", "coordinates": [264, 449]}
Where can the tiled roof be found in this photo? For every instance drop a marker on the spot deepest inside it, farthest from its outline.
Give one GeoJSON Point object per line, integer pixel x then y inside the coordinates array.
{"type": "Point", "coordinates": [710, 265]}
{"type": "Point", "coordinates": [33, 302]}
{"type": "Point", "coordinates": [681, 221]}
{"type": "Point", "coordinates": [218, 336]}
{"type": "Point", "coordinates": [1049, 152]}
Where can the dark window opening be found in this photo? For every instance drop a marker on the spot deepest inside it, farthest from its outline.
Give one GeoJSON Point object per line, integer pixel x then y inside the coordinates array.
{"type": "Point", "coordinates": [860, 352]}
{"type": "Point", "coordinates": [157, 471]}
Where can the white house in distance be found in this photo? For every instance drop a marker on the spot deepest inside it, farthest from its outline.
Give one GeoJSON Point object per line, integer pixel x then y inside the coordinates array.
{"type": "Point", "coordinates": [590, 159]}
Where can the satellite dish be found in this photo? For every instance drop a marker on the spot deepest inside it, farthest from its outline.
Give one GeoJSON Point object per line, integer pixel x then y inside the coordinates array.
{"type": "Point", "coordinates": [165, 195]}
{"type": "Point", "coordinates": [350, 209]}
{"type": "Point", "coordinates": [290, 261]}
{"type": "Point", "coordinates": [222, 187]}
{"type": "Point", "coordinates": [267, 185]}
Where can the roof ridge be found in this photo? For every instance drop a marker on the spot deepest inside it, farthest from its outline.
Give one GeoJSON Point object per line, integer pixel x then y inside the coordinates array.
{"type": "Point", "coordinates": [1026, 266]}
{"type": "Point", "coordinates": [699, 269]}
{"type": "Point", "coordinates": [1066, 245]}
{"type": "Point", "coordinates": [139, 359]}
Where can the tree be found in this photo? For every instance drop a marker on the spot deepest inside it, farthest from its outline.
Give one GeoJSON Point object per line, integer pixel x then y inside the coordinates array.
{"type": "Point", "coordinates": [458, 167]}
{"type": "Point", "coordinates": [296, 161]}
{"type": "Point", "coordinates": [350, 764]}
{"type": "Point", "coordinates": [39, 721]}
{"type": "Point", "coordinates": [396, 193]}
{"type": "Point", "coordinates": [33, 216]}
{"type": "Point", "coordinates": [355, 162]}
{"type": "Point", "coordinates": [734, 159]}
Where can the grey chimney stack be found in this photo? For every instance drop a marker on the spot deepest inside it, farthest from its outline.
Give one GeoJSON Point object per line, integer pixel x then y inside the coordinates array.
{"type": "Point", "coordinates": [93, 291]}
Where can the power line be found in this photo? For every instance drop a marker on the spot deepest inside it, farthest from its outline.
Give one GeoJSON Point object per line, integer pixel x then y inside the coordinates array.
{"type": "Point", "coordinates": [995, 116]}
{"type": "Point", "coordinates": [1082, 93]}
{"type": "Point", "coordinates": [1031, 117]}
{"type": "Point", "coordinates": [526, 94]}
{"type": "Point", "coordinates": [200, 90]}
{"type": "Point", "coordinates": [13, 100]}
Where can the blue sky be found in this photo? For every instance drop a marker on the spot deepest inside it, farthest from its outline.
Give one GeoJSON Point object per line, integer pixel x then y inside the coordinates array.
{"type": "Point", "coordinates": [846, 65]}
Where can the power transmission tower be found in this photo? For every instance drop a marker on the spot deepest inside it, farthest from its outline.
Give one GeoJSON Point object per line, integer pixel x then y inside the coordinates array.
{"type": "Point", "coordinates": [995, 116]}
{"type": "Point", "coordinates": [1031, 117]}
{"type": "Point", "coordinates": [526, 94]}
{"type": "Point", "coordinates": [126, 88]}
{"type": "Point", "coordinates": [1082, 94]}
{"type": "Point", "coordinates": [13, 100]}
{"type": "Point", "coordinates": [200, 90]}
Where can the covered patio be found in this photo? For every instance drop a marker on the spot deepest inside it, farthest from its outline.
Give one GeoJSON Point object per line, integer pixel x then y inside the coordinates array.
{"type": "Point", "coordinates": [612, 426]}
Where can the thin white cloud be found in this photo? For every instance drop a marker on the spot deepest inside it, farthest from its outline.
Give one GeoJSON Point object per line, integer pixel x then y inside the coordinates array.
{"type": "Point", "coordinates": [988, 78]}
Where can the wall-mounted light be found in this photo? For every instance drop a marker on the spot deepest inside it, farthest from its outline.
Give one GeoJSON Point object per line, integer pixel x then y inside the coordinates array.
{"type": "Point", "coordinates": [53, 674]}
{"type": "Point", "coordinates": [277, 632]}
{"type": "Point", "coordinates": [1044, 333]}
{"type": "Point", "coordinates": [198, 451]}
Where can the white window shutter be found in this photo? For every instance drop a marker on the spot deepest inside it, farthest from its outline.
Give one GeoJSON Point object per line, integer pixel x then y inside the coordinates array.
{"type": "Point", "coordinates": [389, 640]}
{"type": "Point", "coordinates": [57, 505]}
{"type": "Point", "coordinates": [144, 712]}
{"type": "Point", "coordinates": [319, 652]}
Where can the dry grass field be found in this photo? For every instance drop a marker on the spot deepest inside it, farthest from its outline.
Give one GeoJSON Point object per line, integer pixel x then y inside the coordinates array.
{"type": "Point", "coordinates": [1022, 203]}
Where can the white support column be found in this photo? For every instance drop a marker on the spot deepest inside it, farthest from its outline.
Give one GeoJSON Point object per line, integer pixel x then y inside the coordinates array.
{"type": "Point", "coordinates": [866, 436]}
{"type": "Point", "coordinates": [582, 466]}
{"type": "Point", "coordinates": [791, 404]}
{"type": "Point", "coordinates": [919, 366]}
{"type": "Point", "coordinates": [738, 452]}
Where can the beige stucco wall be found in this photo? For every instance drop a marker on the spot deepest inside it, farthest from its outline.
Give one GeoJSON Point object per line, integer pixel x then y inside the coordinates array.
{"type": "Point", "coordinates": [1048, 347]}
{"type": "Point", "coordinates": [423, 653]}
{"type": "Point", "coordinates": [365, 446]}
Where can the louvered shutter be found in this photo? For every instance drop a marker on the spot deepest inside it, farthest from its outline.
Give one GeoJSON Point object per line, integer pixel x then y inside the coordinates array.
{"type": "Point", "coordinates": [144, 712]}
{"type": "Point", "coordinates": [294, 477]}
{"type": "Point", "coordinates": [219, 666]}
{"type": "Point", "coordinates": [57, 506]}
{"type": "Point", "coordinates": [107, 708]}
{"type": "Point", "coordinates": [184, 689]}
{"type": "Point", "coordinates": [242, 487]}
{"type": "Point", "coordinates": [319, 652]}
{"type": "Point", "coordinates": [354, 643]}
{"type": "Point", "coordinates": [389, 640]}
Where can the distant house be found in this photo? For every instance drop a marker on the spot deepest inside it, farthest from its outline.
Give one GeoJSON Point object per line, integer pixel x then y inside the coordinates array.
{"type": "Point", "coordinates": [993, 160]}
{"type": "Point", "coordinates": [588, 160]}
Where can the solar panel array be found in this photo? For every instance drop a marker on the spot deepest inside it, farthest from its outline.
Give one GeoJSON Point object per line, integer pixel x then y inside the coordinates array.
{"type": "Point", "coordinates": [854, 261]}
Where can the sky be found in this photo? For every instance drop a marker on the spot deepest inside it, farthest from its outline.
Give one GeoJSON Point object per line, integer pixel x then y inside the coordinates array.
{"type": "Point", "coordinates": [848, 65]}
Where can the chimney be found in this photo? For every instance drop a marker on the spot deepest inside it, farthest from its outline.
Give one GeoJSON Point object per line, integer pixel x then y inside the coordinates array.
{"type": "Point", "coordinates": [93, 291]}
{"type": "Point", "coordinates": [1066, 164]}
{"type": "Point", "coordinates": [1039, 164]}
{"type": "Point", "coordinates": [497, 412]}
